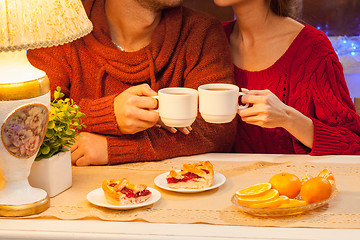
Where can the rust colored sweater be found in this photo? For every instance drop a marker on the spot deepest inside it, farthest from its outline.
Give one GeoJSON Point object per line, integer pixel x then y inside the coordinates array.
{"type": "Point", "coordinates": [187, 49]}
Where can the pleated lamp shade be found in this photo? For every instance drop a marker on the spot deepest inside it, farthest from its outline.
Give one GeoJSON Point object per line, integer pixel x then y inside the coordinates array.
{"type": "Point", "coordinates": [29, 24]}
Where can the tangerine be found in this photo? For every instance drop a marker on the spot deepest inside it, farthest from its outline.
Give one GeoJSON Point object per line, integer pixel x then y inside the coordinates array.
{"type": "Point", "coordinates": [315, 190]}
{"type": "Point", "coordinates": [266, 196]}
{"type": "Point", "coordinates": [286, 183]}
{"type": "Point", "coordinates": [325, 173]}
{"type": "Point", "coordinates": [254, 190]}
{"type": "Point", "coordinates": [305, 178]}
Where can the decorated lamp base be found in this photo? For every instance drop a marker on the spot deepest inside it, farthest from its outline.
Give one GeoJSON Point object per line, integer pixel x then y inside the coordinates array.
{"type": "Point", "coordinates": [26, 209]}
{"type": "Point", "coordinates": [24, 104]}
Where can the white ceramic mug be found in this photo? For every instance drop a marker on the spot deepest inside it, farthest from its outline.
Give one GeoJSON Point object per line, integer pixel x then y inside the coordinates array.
{"type": "Point", "coordinates": [219, 102]}
{"type": "Point", "coordinates": [178, 106]}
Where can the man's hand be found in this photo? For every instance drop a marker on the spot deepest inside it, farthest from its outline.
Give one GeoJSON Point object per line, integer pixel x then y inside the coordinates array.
{"type": "Point", "coordinates": [133, 109]}
{"type": "Point", "coordinates": [89, 149]}
{"type": "Point", "coordinates": [184, 130]}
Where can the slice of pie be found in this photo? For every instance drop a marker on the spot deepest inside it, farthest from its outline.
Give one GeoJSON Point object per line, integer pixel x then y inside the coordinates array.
{"type": "Point", "coordinates": [192, 176]}
{"type": "Point", "coordinates": [121, 192]}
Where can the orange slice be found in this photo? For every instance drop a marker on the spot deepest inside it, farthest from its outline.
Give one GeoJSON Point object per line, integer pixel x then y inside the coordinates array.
{"type": "Point", "coordinates": [272, 203]}
{"type": "Point", "coordinates": [293, 203]}
{"type": "Point", "coordinates": [266, 196]}
{"type": "Point", "coordinates": [254, 190]}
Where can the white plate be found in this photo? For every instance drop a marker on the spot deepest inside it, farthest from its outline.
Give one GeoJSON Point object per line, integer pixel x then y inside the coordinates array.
{"type": "Point", "coordinates": [161, 182]}
{"type": "Point", "coordinates": [97, 197]}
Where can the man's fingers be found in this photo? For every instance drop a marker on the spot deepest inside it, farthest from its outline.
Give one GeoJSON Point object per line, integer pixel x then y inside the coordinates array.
{"type": "Point", "coordinates": [82, 162]}
{"type": "Point", "coordinates": [142, 90]}
{"type": "Point", "coordinates": [170, 129]}
{"type": "Point", "coordinates": [76, 155]}
{"type": "Point", "coordinates": [146, 102]}
{"type": "Point", "coordinates": [148, 116]}
{"type": "Point", "coordinates": [184, 130]}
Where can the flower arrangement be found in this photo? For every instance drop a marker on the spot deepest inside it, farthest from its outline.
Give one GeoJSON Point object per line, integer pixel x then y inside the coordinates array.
{"type": "Point", "coordinates": [63, 126]}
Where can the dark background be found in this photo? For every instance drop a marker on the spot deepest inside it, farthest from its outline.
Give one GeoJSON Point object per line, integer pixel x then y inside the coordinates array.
{"type": "Point", "coordinates": [335, 17]}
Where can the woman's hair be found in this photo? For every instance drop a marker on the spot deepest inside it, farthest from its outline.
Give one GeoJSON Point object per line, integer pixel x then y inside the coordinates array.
{"type": "Point", "coordinates": [284, 8]}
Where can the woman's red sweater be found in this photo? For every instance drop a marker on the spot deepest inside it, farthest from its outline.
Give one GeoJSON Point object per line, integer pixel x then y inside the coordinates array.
{"type": "Point", "coordinates": [187, 49]}
{"type": "Point", "coordinates": [309, 78]}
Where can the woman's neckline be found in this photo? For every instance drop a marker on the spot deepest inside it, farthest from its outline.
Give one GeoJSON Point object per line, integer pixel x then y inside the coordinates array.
{"type": "Point", "coordinates": [288, 51]}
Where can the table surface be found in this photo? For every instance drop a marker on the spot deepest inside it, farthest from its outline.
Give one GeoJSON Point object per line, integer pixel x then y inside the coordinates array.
{"type": "Point", "coordinates": [18, 228]}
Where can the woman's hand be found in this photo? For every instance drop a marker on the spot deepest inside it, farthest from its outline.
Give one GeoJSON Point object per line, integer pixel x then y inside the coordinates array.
{"type": "Point", "coordinates": [267, 110]}
{"type": "Point", "coordinates": [133, 109]}
{"type": "Point", "coordinates": [89, 149]}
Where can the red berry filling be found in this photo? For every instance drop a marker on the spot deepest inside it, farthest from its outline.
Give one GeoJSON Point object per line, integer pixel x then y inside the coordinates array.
{"type": "Point", "coordinates": [130, 193]}
{"type": "Point", "coordinates": [187, 176]}
{"type": "Point", "coordinates": [207, 171]}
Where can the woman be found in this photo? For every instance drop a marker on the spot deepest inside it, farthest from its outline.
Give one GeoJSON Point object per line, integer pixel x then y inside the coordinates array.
{"type": "Point", "coordinates": [298, 96]}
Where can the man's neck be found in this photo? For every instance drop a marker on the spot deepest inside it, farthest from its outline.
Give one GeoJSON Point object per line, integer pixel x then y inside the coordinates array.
{"type": "Point", "coordinates": [130, 24]}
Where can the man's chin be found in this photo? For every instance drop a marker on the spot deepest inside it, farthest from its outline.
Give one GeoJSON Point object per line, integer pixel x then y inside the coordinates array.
{"type": "Point", "coordinates": [159, 5]}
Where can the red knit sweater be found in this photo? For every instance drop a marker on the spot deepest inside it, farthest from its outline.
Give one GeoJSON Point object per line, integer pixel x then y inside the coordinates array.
{"type": "Point", "coordinates": [187, 49]}
{"type": "Point", "coordinates": [309, 78]}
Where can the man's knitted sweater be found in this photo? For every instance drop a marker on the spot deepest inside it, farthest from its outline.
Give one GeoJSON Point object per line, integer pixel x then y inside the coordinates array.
{"type": "Point", "coordinates": [187, 49]}
{"type": "Point", "coordinates": [309, 78]}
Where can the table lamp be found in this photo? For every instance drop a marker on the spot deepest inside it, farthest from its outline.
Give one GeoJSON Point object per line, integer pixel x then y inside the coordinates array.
{"type": "Point", "coordinates": [25, 91]}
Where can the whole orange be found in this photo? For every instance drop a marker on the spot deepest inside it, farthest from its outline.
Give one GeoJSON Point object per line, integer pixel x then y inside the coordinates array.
{"type": "Point", "coordinates": [287, 184]}
{"type": "Point", "coordinates": [315, 190]}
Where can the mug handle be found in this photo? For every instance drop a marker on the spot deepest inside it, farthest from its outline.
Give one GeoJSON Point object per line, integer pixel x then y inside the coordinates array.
{"type": "Point", "coordinates": [242, 106]}
{"type": "Point", "coordinates": [157, 98]}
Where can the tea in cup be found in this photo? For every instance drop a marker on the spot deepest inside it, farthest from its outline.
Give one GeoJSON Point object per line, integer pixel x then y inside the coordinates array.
{"type": "Point", "coordinates": [218, 102]}
{"type": "Point", "coordinates": [178, 106]}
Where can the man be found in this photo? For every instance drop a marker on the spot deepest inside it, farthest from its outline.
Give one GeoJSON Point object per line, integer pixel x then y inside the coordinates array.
{"type": "Point", "coordinates": [136, 48]}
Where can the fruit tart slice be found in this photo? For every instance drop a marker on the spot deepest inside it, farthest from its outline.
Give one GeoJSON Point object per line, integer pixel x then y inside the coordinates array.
{"type": "Point", "coordinates": [192, 176]}
{"type": "Point", "coordinates": [121, 192]}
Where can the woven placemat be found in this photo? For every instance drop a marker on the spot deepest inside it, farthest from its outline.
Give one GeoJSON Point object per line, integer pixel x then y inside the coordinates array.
{"type": "Point", "coordinates": [214, 206]}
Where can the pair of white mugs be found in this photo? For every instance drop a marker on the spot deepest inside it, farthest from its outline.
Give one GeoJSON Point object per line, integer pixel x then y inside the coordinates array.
{"type": "Point", "coordinates": [218, 103]}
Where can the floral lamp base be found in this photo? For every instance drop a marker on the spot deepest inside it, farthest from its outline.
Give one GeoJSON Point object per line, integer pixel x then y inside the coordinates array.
{"type": "Point", "coordinates": [23, 124]}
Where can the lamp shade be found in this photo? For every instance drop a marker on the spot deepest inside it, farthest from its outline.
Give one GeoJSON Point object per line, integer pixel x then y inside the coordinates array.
{"type": "Point", "coordinates": [29, 24]}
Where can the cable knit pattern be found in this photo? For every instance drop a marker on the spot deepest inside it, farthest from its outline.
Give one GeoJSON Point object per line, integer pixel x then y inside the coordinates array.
{"type": "Point", "coordinates": [187, 49]}
{"type": "Point", "coordinates": [309, 78]}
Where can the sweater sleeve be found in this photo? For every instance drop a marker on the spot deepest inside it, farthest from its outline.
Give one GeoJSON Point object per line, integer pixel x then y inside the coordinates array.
{"type": "Point", "coordinates": [99, 113]}
{"type": "Point", "coordinates": [336, 124]}
{"type": "Point", "coordinates": [208, 61]}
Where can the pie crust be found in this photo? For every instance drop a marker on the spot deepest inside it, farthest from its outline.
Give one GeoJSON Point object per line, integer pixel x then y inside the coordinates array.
{"type": "Point", "coordinates": [192, 176]}
{"type": "Point", "coordinates": [121, 192]}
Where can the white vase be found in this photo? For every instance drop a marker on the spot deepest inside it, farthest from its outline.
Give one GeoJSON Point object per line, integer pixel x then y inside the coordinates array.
{"type": "Point", "coordinates": [52, 174]}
